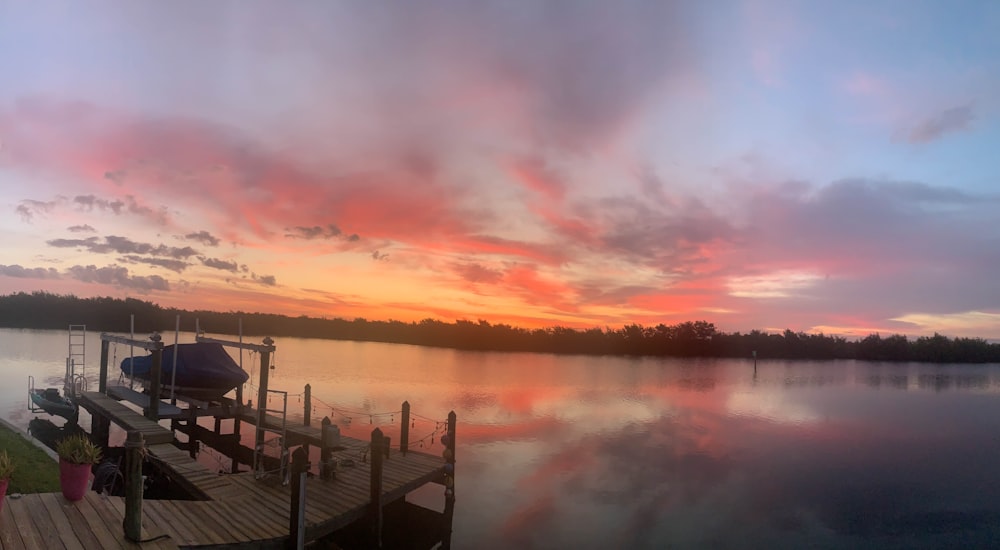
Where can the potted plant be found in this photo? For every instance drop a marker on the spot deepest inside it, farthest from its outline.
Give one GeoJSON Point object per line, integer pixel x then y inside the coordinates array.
{"type": "Point", "coordinates": [6, 469]}
{"type": "Point", "coordinates": [77, 454]}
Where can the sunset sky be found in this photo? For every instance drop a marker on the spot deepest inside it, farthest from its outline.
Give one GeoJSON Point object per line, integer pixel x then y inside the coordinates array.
{"type": "Point", "coordinates": [819, 166]}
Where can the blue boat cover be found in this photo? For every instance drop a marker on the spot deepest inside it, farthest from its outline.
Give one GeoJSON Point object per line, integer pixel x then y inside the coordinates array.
{"type": "Point", "coordinates": [199, 365]}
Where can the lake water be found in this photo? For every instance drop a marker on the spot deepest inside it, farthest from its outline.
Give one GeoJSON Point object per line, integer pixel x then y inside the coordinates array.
{"type": "Point", "coordinates": [608, 452]}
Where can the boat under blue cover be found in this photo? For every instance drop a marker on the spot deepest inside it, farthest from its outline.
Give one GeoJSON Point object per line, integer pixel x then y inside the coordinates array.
{"type": "Point", "coordinates": [204, 370]}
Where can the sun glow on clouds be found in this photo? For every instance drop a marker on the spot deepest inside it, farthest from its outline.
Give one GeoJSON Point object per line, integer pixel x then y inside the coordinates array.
{"type": "Point", "coordinates": [971, 322]}
{"type": "Point", "coordinates": [779, 284]}
{"type": "Point", "coordinates": [584, 164]}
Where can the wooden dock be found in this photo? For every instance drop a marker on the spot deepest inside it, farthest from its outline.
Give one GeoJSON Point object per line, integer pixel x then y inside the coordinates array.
{"type": "Point", "coordinates": [47, 521]}
{"type": "Point", "coordinates": [253, 513]}
{"type": "Point", "coordinates": [356, 481]}
{"type": "Point", "coordinates": [100, 405]}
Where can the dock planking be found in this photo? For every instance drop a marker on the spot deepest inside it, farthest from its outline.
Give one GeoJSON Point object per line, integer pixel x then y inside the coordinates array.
{"type": "Point", "coordinates": [128, 419]}
{"type": "Point", "coordinates": [46, 521]}
{"type": "Point", "coordinates": [165, 410]}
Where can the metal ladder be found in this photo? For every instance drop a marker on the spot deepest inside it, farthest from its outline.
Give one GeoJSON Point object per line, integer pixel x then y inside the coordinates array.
{"type": "Point", "coordinates": [77, 355]}
{"type": "Point", "coordinates": [281, 441]}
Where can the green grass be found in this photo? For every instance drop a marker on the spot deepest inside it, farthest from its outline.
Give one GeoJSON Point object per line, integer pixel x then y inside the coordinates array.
{"type": "Point", "coordinates": [34, 471]}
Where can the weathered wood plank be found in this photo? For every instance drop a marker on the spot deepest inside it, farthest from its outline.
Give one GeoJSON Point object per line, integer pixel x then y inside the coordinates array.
{"type": "Point", "coordinates": [31, 537]}
{"type": "Point", "coordinates": [97, 526]}
{"type": "Point", "coordinates": [178, 530]}
{"type": "Point", "coordinates": [128, 419]}
{"type": "Point", "coordinates": [73, 531]}
{"type": "Point", "coordinates": [42, 521]}
{"type": "Point", "coordinates": [166, 410]}
{"type": "Point", "coordinates": [10, 537]}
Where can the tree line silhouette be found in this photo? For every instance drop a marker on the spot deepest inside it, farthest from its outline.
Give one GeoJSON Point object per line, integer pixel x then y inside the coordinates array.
{"type": "Point", "coordinates": [43, 310]}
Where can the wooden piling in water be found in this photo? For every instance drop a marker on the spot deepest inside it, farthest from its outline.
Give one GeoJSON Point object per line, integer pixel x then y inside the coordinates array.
{"type": "Point", "coordinates": [325, 450]}
{"type": "Point", "coordinates": [102, 381]}
{"type": "Point", "coordinates": [307, 406]}
{"type": "Point", "coordinates": [153, 412]}
{"type": "Point", "coordinates": [133, 488]}
{"type": "Point", "coordinates": [375, 508]}
{"type": "Point", "coordinates": [191, 422]}
{"type": "Point", "coordinates": [265, 368]}
{"type": "Point", "coordinates": [404, 429]}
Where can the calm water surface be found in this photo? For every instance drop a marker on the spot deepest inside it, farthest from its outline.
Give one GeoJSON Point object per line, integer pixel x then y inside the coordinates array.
{"type": "Point", "coordinates": [604, 452]}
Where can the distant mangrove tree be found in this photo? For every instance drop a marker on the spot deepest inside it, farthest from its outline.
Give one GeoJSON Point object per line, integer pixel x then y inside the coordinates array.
{"type": "Point", "coordinates": [42, 310]}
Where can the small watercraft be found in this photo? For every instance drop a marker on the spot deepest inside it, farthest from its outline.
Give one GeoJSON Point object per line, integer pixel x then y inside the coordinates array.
{"type": "Point", "coordinates": [204, 370]}
{"type": "Point", "coordinates": [50, 401]}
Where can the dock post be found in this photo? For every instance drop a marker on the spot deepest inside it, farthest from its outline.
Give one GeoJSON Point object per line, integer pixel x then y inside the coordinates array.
{"type": "Point", "coordinates": [307, 406]}
{"type": "Point", "coordinates": [307, 412]}
{"type": "Point", "coordinates": [236, 427]}
{"type": "Point", "coordinates": [192, 422]}
{"type": "Point", "coordinates": [102, 381]}
{"type": "Point", "coordinates": [265, 367]}
{"type": "Point", "coordinates": [325, 469]}
{"type": "Point", "coordinates": [404, 429]}
{"type": "Point", "coordinates": [100, 428]}
{"type": "Point", "coordinates": [449, 482]}
{"type": "Point", "coordinates": [153, 412]}
{"type": "Point", "coordinates": [375, 510]}
{"type": "Point", "coordinates": [452, 421]}
{"type": "Point", "coordinates": [297, 515]}
{"type": "Point", "coordinates": [133, 487]}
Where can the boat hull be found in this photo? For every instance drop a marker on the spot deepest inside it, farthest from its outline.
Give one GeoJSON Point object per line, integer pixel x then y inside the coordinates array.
{"type": "Point", "coordinates": [204, 370]}
{"type": "Point", "coordinates": [49, 401]}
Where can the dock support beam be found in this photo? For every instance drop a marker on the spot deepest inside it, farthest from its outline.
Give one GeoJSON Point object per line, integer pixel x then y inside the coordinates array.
{"type": "Point", "coordinates": [449, 481]}
{"type": "Point", "coordinates": [307, 406]}
{"type": "Point", "coordinates": [102, 382]}
{"type": "Point", "coordinates": [325, 449]}
{"type": "Point", "coordinates": [100, 429]}
{"type": "Point", "coordinates": [404, 429]}
{"type": "Point", "coordinates": [153, 412]}
{"type": "Point", "coordinates": [133, 488]}
{"type": "Point", "coordinates": [297, 516]}
{"type": "Point", "coordinates": [375, 511]}
{"type": "Point", "coordinates": [265, 368]}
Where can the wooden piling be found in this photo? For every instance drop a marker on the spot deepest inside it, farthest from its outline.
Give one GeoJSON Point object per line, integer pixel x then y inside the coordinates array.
{"type": "Point", "coordinates": [325, 450]}
{"type": "Point", "coordinates": [102, 382]}
{"type": "Point", "coordinates": [297, 515]}
{"type": "Point", "coordinates": [307, 406]}
{"type": "Point", "coordinates": [133, 486]}
{"type": "Point", "coordinates": [375, 510]}
{"type": "Point", "coordinates": [191, 422]}
{"type": "Point", "coordinates": [265, 368]}
{"type": "Point", "coordinates": [100, 430]}
{"type": "Point", "coordinates": [452, 422]}
{"type": "Point", "coordinates": [449, 479]}
{"type": "Point", "coordinates": [404, 429]}
{"type": "Point", "coordinates": [153, 412]}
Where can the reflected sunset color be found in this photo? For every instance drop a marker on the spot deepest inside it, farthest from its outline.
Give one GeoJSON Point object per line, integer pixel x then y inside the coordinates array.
{"type": "Point", "coordinates": [600, 452]}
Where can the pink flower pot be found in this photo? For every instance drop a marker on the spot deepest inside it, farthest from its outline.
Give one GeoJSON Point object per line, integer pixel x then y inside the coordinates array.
{"type": "Point", "coordinates": [74, 479]}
